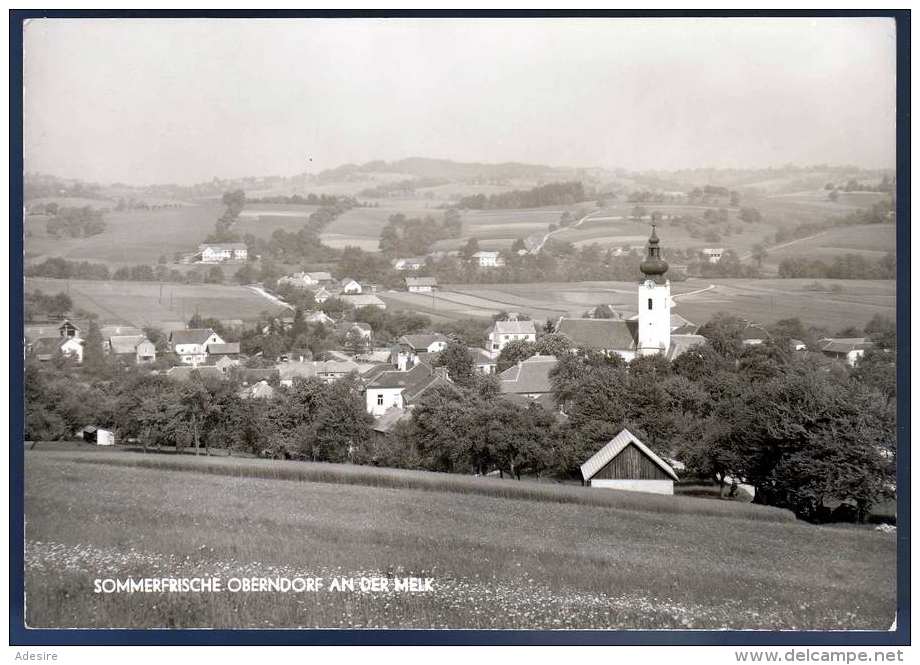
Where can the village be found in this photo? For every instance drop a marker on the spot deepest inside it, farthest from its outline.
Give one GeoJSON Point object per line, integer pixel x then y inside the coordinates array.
{"type": "Point", "coordinates": [519, 353]}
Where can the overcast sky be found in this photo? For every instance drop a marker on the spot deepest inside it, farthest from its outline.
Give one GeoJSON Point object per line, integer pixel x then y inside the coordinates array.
{"type": "Point", "coordinates": [156, 101]}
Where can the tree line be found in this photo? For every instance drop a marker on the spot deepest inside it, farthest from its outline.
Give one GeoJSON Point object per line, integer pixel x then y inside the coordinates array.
{"type": "Point", "coordinates": [554, 193]}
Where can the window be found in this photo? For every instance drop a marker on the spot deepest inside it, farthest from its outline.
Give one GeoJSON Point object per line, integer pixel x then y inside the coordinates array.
{"type": "Point", "coordinates": [649, 303]}
{"type": "Point", "coordinates": [380, 399]}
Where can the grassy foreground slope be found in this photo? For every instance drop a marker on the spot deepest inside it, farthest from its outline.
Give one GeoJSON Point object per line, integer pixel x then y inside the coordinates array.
{"type": "Point", "coordinates": [496, 562]}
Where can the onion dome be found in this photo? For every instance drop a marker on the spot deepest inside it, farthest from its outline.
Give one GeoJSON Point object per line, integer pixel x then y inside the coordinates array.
{"type": "Point", "coordinates": [654, 267]}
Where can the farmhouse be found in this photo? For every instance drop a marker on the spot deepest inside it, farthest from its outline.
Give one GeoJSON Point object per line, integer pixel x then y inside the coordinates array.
{"type": "Point", "coordinates": [503, 332]}
{"type": "Point", "coordinates": [220, 252]}
{"type": "Point", "coordinates": [349, 286]}
{"type": "Point", "coordinates": [224, 353]}
{"type": "Point", "coordinates": [529, 378]}
{"type": "Point", "coordinates": [321, 277]}
{"type": "Point", "coordinates": [412, 349]}
{"type": "Point", "coordinates": [44, 349]}
{"type": "Point", "coordinates": [626, 463]}
{"type": "Point", "coordinates": [138, 347]}
{"type": "Point", "coordinates": [483, 361]}
{"type": "Point", "coordinates": [321, 295]}
{"type": "Point", "coordinates": [365, 300]}
{"type": "Point", "coordinates": [298, 280]}
{"type": "Point", "coordinates": [421, 284]}
{"type": "Point", "coordinates": [359, 327]}
{"type": "Point", "coordinates": [68, 329]}
{"type": "Point", "coordinates": [849, 349]}
{"type": "Point", "coordinates": [713, 254]}
{"type": "Point", "coordinates": [400, 389]}
{"type": "Point", "coordinates": [191, 346]}
{"type": "Point", "coordinates": [414, 263]}
{"type": "Point", "coordinates": [488, 259]}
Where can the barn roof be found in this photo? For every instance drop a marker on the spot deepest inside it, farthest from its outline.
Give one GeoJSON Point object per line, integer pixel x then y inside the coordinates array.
{"type": "Point", "coordinates": [191, 336]}
{"type": "Point", "coordinates": [614, 447]}
{"type": "Point", "coordinates": [223, 349]}
{"type": "Point", "coordinates": [604, 334]}
{"type": "Point", "coordinates": [529, 376]}
{"type": "Point", "coordinates": [422, 341]}
{"type": "Point", "coordinates": [363, 299]}
{"type": "Point", "coordinates": [124, 344]}
{"type": "Point", "coordinates": [514, 327]}
{"type": "Point", "coordinates": [845, 344]}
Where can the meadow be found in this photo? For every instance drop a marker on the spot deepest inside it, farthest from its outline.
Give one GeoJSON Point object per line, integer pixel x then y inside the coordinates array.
{"type": "Point", "coordinates": [168, 306]}
{"type": "Point", "coordinates": [361, 227]}
{"type": "Point", "coordinates": [834, 304]}
{"type": "Point", "coordinates": [496, 561]}
{"type": "Point", "coordinates": [871, 241]}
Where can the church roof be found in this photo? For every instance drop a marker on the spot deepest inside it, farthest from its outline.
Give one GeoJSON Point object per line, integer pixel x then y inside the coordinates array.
{"type": "Point", "coordinates": [602, 334]}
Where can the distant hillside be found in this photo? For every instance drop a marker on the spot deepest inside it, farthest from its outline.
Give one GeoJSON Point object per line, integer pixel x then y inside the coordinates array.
{"type": "Point", "coordinates": [443, 169]}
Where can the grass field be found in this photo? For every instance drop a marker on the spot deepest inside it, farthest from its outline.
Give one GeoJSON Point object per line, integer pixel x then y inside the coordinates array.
{"type": "Point", "coordinates": [143, 303]}
{"type": "Point", "coordinates": [496, 562]}
{"type": "Point", "coordinates": [361, 227]}
{"type": "Point", "coordinates": [871, 241]}
{"type": "Point", "coordinates": [763, 300]}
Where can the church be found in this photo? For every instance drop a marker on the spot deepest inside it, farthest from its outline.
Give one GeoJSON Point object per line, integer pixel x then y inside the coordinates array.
{"type": "Point", "coordinates": [651, 331]}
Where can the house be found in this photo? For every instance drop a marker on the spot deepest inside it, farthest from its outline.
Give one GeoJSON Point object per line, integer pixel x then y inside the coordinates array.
{"type": "Point", "coordinates": [68, 329]}
{"type": "Point", "coordinates": [44, 349]}
{"type": "Point", "coordinates": [344, 327]}
{"type": "Point", "coordinates": [321, 295]}
{"type": "Point", "coordinates": [297, 280]}
{"type": "Point", "coordinates": [191, 346]}
{"type": "Point", "coordinates": [412, 349]}
{"type": "Point", "coordinates": [753, 335]}
{"type": "Point", "coordinates": [626, 463]}
{"type": "Point", "coordinates": [483, 361]}
{"type": "Point", "coordinates": [849, 349]}
{"type": "Point", "coordinates": [503, 332]}
{"type": "Point", "coordinates": [220, 252]}
{"type": "Point", "coordinates": [385, 424]}
{"type": "Point", "coordinates": [319, 316]}
{"type": "Point", "coordinates": [488, 259]}
{"type": "Point", "coordinates": [421, 284]}
{"type": "Point", "coordinates": [414, 263]}
{"type": "Point", "coordinates": [713, 254]}
{"type": "Point", "coordinates": [224, 355]}
{"type": "Point", "coordinates": [138, 347]}
{"type": "Point", "coordinates": [400, 389]}
{"type": "Point", "coordinates": [321, 277]}
{"type": "Point", "coordinates": [224, 363]}
{"type": "Point", "coordinates": [349, 286]}
{"type": "Point", "coordinates": [529, 378]}
{"type": "Point", "coordinates": [364, 300]}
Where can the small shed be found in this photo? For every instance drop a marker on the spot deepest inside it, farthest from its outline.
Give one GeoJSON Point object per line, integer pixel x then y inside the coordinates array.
{"type": "Point", "coordinates": [98, 436]}
{"type": "Point", "coordinates": [626, 463]}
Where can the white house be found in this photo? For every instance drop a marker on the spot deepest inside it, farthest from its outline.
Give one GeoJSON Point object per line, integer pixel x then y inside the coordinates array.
{"type": "Point", "coordinates": [387, 389]}
{"type": "Point", "coordinates": [488, 259]}
{"type": "Point", "coordinates": [191, 346]}
{"type": "Point", "coordinates": [849, 349]}
{"type": "Point", "coordinates": [349, 286]}
{"type": "Point", "coordinates": [421, 284]}
{"type": "Point", "coordinates": [713, 254]}
{"type": "Point", "coordinates": [298, 280]}
{"type": "Point", "coordinates": [220, 252]}
{"type": "Point", "coordinates": [413, 263]}
{"type": "Point", "coordinates": [503, 332]}
{"type": "Point", "coordinates": [139, 347]}
{"type": "Point", "coordinates": [626, 463]}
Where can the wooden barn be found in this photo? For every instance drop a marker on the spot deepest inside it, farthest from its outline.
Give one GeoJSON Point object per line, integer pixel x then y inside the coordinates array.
{"type": "Point", "coordinates": [97, 435]}
{"type": "Point", "coordinates": [626, 463]}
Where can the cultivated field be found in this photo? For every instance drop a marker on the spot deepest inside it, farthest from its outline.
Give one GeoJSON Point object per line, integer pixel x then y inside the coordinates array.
{"type": "Point", "coordinates": [361, 227]}
{"type": "Point", "coordinates": [871, 241]}
{"type": "Point", "coordinates": [840, 304]}
{"type": "Point", "coordinates": [495, 561]}
{"type": "Point", "coordinates": [168, 306]}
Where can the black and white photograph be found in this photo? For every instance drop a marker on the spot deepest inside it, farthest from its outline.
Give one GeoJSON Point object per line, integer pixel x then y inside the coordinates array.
{"type": "Point", "coordinates": [496, 323]}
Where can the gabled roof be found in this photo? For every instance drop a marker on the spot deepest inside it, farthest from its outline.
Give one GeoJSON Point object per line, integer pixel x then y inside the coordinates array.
{"type": "Point", "coordinates": [191, 336]}
{"type": "Point", "coordinates": [345, 281]}
{"type": "Point", "coordinates": [421, 281]}
{"type": "Point", "coordinates": [124, 344]}
{"type": "Point", "coordinates": [222, 245]}
{"type": "Point", "coordinates": [398, 379]}
{"type": "Point", "coordinates": [845, 344]}
{"type": "Point", "coordinates": [390, 418]}
{"type": "Point", "coordinates": [414, 391]}
{"type": "Point", "coordinates": [604, 334]}
{"type": "Point", "coordinates": [320, 276]}
{"type": "Point", "coordinates": [681, 343]}
{"type": "Point", "coordinates": [362, 299]}
{"type": "Point", "coordinates": [422, 341]}
{"type": "Point", "coordinates": [614, 447]}
{"type": "Point", "coordinates": [515, 327]}
{"type": "Point", "coordinates": [529, 376]}
{"type": "Point", "coordinates": [224, 349]}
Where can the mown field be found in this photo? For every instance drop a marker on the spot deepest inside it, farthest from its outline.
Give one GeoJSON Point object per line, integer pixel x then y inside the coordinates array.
{"type": "Point", "coordinates": [834, 304]}
{"type": "Point", "coordinates": [168, 306]}
{"type": "Point", "coordinates": [496, 561]}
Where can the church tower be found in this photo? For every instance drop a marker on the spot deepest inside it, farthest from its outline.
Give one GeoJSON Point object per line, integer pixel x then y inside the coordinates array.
{"type": "Point", "coordinates": [654, 302]}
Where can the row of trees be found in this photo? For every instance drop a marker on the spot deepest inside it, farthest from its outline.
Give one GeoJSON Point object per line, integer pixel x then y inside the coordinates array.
{"type": "Point", "coordinates": [847, 266]}
{"type": "Point", "coordinates": [554, 193]}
